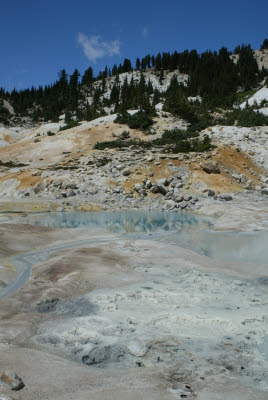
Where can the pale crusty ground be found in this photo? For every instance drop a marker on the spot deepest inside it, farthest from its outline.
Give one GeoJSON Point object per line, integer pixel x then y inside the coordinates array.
{"type": "Point", "coordinates": [111, 270]}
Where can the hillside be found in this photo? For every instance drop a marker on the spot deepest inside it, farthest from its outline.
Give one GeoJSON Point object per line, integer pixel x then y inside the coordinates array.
{"type": "Point", "coordinates": [173, 149]}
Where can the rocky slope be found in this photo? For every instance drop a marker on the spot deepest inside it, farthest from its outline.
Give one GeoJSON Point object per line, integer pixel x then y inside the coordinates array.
{"type": "Point", "coordinates": [64, 171]}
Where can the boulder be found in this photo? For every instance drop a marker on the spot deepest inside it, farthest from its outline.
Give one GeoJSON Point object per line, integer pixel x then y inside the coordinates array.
{"type": "Point", "coordinates": [93, 190]}
{"type": "Point", "coordinates": [211, 168]}
{"type": "Point", "coordinates": [70, 193]}
{"type": "Point", "coordinates": [70, 185]}
{"type": "Point", "coordinates": [37, 188]}
{"type": "Point", "coordinates": [12, 380]}
{"type": "Point", "coordinates": [211, 193]}
{"type": "Point", "coordinates": [138, 187]}
{"type": "Point", "coordinates": [154, 189]}
{"type": "Point", "coordinates": [226, 197]}
{"type": "Point", "coordinates": [126, 172]}
{"type": "Point", "coordinates": [57, 183]}
{"type": "Point", "coordinates": [162, 189]}
{"type": "Point", "coordinates": [143, 192]}
{"type": "Point", "coordinates": [187, 197]}
{"type": "Point", "coordinates": [162, 181]}
{"type": "Point", "coordinates": [178, 199]}
{"type": "Point", "coordinates": [264, 191]}
{"type": "Point", "coordinates": [148, 184]}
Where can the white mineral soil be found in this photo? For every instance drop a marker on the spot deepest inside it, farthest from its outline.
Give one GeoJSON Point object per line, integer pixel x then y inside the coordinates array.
{"type": "Point", "coordinates": [109, 317]}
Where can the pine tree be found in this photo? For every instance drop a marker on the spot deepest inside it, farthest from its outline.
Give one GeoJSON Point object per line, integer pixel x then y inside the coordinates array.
{"type": "Point", "coordinates": [88, 77]}
{"type": "Point", "coordinates": [74, 89]}
{"type": "Point", "coordinates": [264, 45]}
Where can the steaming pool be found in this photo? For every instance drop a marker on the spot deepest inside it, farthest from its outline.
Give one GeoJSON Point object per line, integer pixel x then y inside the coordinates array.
{"type": "Point", "coordinates": [187, 230]}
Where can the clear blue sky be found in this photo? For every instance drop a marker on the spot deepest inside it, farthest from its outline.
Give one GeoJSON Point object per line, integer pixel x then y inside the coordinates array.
{"type": "Point", "coordinates": [37, 39]}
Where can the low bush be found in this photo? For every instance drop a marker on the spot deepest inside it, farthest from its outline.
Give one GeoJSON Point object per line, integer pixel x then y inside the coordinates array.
{"type": "Point", "coordinates": [118, 143]}
{"type": "Point", "coordinates": [141, 120]}
{"type": "Point", "coordinates": [174, 136]}
{"type": "Point", "coordinates": [173, 141]}
{"type": "Point", "coordinates": [69, 125]}
{"type": "Point", "coordinates": [246, 118]}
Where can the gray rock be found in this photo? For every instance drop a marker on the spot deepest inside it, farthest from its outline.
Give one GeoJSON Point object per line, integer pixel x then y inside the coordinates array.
{"type": "Point", "coordinates": [143, 192]}
{"type": "Point", "coordinates": [70, 185]}
{"type": "Point", "coordinates": [126, 172]}
{"type": "Point", "coordinates": [12, 380]}
{"type": "Point", "coordinates": [139, 186]}
{"type": "Point", "coordinates": [162, 181]}
{"type": "Point", "coordinates": [93, 190]}
{"type": "Point", "coordinates": [211, 193]}
{"type": "Point", "coordinates": [225, 197]}
{"type": "Point", "coordinates": [70, 193]}
{"type": "Point", "coordinates": [211, 168]}
{"type": "Point", "coordinates": [57, 183]}
{"type": "Point", "coordinates": [187, 197]}
{"type": "Point", "coordinates": [148, 184]}
{"type": "Point", "coordinates": [183, 205]}
{"type": "Point", "coordinates": [154, 189]}
{"type": "Point", "coordinates": [264, 191]}
{"type": "Point", "coordinates": [162, 189]}
{"type": "Point", "coordinates": [102, 355]}
{"type": "Point", "coordinates": [37, 188]}
{"type": "Point", "coordinates": [178, 199]}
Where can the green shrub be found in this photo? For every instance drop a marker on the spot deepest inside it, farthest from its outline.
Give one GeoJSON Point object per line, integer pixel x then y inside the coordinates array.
{"type": "Point", "coordinates": [248, 117]}
{"type": "Point", "coordinates": [124, 135]}
{"type": "Point", "coordinates": [118, 143]}
{"type": "Point", "coordinates": [69, 125]}
{"type": "Point", "coordinates": [141, 120]}
{"type": "Point", "coordinates": [174, 141]}
{"type": "Point", "coordinates": [49, 133]}
{"type": "Point", "coordinates": [174, 136]}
